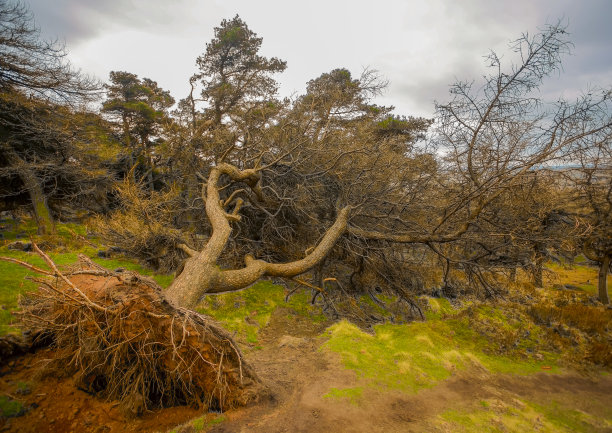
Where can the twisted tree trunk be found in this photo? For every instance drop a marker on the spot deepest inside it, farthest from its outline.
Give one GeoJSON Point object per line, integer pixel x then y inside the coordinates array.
{"type": "Point", "coordinates": [201, 274]}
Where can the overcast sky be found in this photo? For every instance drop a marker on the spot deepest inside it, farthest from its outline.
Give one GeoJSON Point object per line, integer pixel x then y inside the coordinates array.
{"type": "Point", "coordinates": [419, 46]}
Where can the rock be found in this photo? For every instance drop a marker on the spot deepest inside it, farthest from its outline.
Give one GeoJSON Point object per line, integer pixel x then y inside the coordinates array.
{"type": "Point", "coordinates": [290, 341]}
{"type": "Point", "coordinates": [20, 246]}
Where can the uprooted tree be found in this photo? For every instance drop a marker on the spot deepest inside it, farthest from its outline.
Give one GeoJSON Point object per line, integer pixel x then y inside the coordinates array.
{"type": "Point", "coordinates": [496, 141]}
{"type": "Point", "coordinates": [117, 336]}
{"type": "Point", "coordinates": [201, 273]}
{"type": "Point", "coordinates": [329, 183]}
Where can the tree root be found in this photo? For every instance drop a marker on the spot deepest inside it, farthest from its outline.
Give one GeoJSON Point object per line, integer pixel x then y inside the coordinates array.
{"type": "Point", "coordinates": [116, 334]}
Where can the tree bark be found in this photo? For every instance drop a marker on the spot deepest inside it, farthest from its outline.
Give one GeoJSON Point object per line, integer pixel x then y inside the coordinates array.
{"type": "Point", "coordinates": [604, 265]}
{"type": "Point", "coordinates": [201, 274]}
{"type": "Point", "coordinates": [42, 213]}
{"type": "Point", "coordinates": [536, 270]}
{"type": "Point", "coordinates": [602, 282]}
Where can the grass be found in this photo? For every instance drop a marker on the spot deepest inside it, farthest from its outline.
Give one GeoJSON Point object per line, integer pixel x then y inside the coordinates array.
{"type": "Point", "coordinates": [580, 276]}
{"type": "Point", "coordinates": [200, 424]}
{"type": "Point", "coordinates": [65, 251]}
{"type": "Point", "coordinates": [438, 308]}
{"type": "Point", "coordinates": [207, 421]}
{"type": "Point", "coordinates": [353, 395]}
{"type": "Point", "coordinates": [418, 355]}
{"type": "Point", "coordinates": [247, 311]}
{"type": "Point", "coordinates": [521, 416]}
{"type": "Point", "coordinates": [10, 408]}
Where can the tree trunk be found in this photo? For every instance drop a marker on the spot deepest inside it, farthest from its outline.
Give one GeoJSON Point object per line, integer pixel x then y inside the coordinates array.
{"type": "Point", "coordinates": [536, 270]}
{"type": "Point", "coordinates": [44, 220]}
{"type": "Point", "coordinates": [602, 282]}
{"type": "Point", "coordinates": [201, 273]}
{"type": "Point", "coordinates": [42, 213]}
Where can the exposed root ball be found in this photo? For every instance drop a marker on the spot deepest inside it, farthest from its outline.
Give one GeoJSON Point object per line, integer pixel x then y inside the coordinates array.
{"type": "Point", "coordinates": [119, 338]}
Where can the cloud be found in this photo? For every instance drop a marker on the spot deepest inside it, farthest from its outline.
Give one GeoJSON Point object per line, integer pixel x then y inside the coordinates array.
{"type": "Point", "coordinates": [78, 21]}
{"type": "Point", "coordinates": [421, 47]}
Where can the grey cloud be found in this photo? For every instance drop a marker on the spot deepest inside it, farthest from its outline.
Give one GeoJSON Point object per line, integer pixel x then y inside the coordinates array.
{"type": "Point", "coordinates": [421, 47]}
{"type": "Point", "coordinates": [76, 21]}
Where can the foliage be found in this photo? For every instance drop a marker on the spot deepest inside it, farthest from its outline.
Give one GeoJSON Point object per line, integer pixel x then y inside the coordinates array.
{"type": "Point", "coordinates": [139, 109]}
{"type": "Point", "coordinates": [143, 226]}
{"type": "Point", "coordinates": [41, 129]}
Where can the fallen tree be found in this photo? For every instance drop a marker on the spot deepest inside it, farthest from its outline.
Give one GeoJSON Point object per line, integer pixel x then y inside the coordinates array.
{"type": "Point", "coordinates": [119, 338]}
{"type": "Point", "coordinates": [201, 273]}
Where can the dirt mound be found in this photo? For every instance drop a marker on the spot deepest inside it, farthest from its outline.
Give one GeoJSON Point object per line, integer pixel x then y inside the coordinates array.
{"type": "Point", "coordinates": [118, 337]}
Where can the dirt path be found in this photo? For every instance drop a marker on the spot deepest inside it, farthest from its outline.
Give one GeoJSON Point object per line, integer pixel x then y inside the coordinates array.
{"type": "Point", "coordinates": [300, 375]}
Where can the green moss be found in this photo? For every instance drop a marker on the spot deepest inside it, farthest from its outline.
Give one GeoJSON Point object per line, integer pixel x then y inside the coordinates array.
{"type": "Point", "coordinates": [199, 423]}
{"type": "Point", "coordinates": [10, 408]}
{"type": "Point", "coordinates": [520, 416]}
{"type": "Point", "coordinates": [23, 388]}
{"type": "Point", "coordinates": [565, 418]}
{"type": "Point", "coordinates": [418, 355]}
{"type": "Point", "coordinates": [218, 420]}
{"type": "Point", "coordinates": [365, 299]}
{"type": "Point", "coordinates": [249, 310]}
{"type": "Point", "coordinates": [438, 308]}
{"type": "Point", "coordinates": [353, 395]}
{"type": "Point", "coordinates": [203, 423]}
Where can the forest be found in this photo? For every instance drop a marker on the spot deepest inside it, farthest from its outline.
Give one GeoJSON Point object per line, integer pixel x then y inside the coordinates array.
{"type": "Point", "coordinates": [146, 224]}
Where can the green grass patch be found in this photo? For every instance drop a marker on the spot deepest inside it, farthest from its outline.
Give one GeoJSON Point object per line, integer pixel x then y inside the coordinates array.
{"type": "Point", "coordinates": [10, 408]}
{"type": "Point", "coordinates": [438, 308]}
{"type": "Point", "coordinates": [13, 281]}
{"type": "Point", "coordinates": [353, 395]}
{"type": "Point", "coordinates": [580, 276]}
{"type": "Point", "coordinates": [521, 416]}
{"type": "Point", "coordinates": [410, 357]}
{"type": "Point", "coordinates": [247, 311]}
{"type": "Point", "coordinates": [203, 423]}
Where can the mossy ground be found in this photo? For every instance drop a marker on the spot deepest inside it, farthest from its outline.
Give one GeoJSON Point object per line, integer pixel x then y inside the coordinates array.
{"type": "Point", "coordinates": [249, 310]}
{"type": "Point", "coordinates": [10, 407]}
{"type": "Point", "coordinates": [353, 395]}
{"type": "Point", "coordinates": [418, 355]}
{"type": "Point", "coordinates": [495, 415]}
{"type": "Point", "coordinates": [200, 424]}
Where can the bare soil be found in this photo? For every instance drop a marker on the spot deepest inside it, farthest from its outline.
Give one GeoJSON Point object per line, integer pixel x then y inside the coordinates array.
{"type": "Point", "coordinates": [299, 374]}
